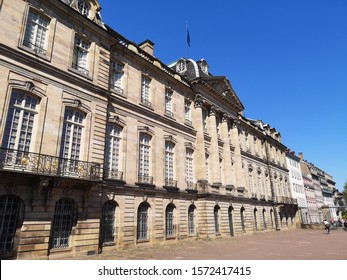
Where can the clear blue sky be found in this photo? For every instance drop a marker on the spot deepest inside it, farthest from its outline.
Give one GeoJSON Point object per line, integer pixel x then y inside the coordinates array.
{"type": "Point", "coordinates": [286, 60]}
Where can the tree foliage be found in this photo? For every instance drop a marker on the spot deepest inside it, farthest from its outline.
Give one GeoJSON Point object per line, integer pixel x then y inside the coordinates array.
{"type": "Point", "coordinates": [345, 191]}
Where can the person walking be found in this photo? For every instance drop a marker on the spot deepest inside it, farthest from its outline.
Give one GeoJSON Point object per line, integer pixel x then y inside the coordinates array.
{"type": "Point", "coordinates": [327, 226]}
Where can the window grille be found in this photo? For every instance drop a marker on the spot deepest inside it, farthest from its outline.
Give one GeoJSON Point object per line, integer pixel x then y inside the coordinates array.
{"type": "Point", "coordinates": [62, 223]}
{"type": "Point", "coordinates": [83, 7]}
{"type": "Point", "coordinates": [230, 218]}
{"type": "Point", "coordinates": [36, 32]}
{"type": "Point", "coordinates": [191, 225]}
{"type": "Point", "coordinates": [11, 217]}
{"type": "Point", "coordinates": [264, 220]}
{"type": "Point", "coordinates": [216, 218]}
{"type": "Point", "coordinates": [255, 212]}
{"type": "Point", "coordinates": [142, 221]}
{"type": "Point", "coordinates": [169, 220]}
{"type": "Point", "coordinates": [242, 219]}
{"type": "Point", "coordinates": [107, 222]}
{"type": "Point", "coordinates": [189, 167]}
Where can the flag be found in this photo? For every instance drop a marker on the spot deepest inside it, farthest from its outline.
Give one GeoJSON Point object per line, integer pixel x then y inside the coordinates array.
{"type": "Point", "coordinates": [188, 37]}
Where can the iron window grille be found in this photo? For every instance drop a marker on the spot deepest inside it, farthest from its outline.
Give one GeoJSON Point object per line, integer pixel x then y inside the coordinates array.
{"type": "Point", "coordinates": [142, 222]}
{"type": "Point", "coordinates": [107, 222]}
{"type": "Point", "coordinates": [169, 221]}
{"type": "Point", "coordinates": [11, 217]}
{"type": "Point", "coordinates": [216, 218]}
{"type": "Point", "coordinates": [63, 220]}
{"type": "Point", "coordinates": [191, 225]}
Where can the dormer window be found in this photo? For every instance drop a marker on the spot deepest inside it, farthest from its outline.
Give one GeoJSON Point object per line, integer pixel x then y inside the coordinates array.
{"type": "Point", "coordinates": [83, 7]}
{"type": "Point", "coordinates": [203, 65]}
{"type": "Point", "coordinates": [181, 66]}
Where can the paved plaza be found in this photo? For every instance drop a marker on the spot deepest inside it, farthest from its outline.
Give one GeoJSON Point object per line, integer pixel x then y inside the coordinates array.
{"type": "Point", "coordinates": [296, 244]}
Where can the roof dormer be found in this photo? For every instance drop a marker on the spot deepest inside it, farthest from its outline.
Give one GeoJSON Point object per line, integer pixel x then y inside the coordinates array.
{"type": "Point", "coordinates": [203, 66]}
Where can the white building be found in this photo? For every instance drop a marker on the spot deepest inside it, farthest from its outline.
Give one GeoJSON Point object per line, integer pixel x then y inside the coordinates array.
{"type": "Point", "coordinates": [297, 185]}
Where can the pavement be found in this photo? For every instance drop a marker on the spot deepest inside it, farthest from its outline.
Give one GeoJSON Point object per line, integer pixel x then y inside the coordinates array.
{"type": "Point", "coordinates": [293, 244]}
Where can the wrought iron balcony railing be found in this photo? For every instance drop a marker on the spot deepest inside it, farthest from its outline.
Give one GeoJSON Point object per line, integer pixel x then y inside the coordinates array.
{"type": "Point", "coordinates": [170, 183]}
{"type": "Point", "coordinates": [191, 185]}
{"type": "Point", "coordinates": [254, 196]}
{"type": "Point", "coordinates": [15, 160]}
{"type": "Point", "coordinates": [113, 175]}
{"type": "Point", "coordinates": [145, 179]}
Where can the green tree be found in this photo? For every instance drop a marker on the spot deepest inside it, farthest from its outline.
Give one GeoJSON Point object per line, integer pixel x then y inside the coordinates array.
{"type": "Point", "coordinates": [345, 191]}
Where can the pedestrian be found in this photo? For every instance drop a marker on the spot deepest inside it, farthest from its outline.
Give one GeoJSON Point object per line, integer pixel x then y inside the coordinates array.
{"type": "Point", "coordinates": [345, 224]}
{"type": "Point", "coordinates": [326, 225]}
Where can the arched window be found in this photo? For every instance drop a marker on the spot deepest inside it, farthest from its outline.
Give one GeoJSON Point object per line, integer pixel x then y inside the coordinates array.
{"type": "Point", "coordinates": [83, 7]}
{"type": "Point", "coordinates": [216, 218]}
{"type": "Point", "coordinates": [230, 218]}
{"type": "Point", "coordinates": [242, 213]}
{"type": "Point", "coordinates": [255, 213]}
{"type": "Point", "coordinates": [142, 221]}
{"type": "Point", "coordinates": [169, 220]}
{"type": "Point", "coordinates": [191, 223]}
{"type": "Point", "coordinates": [264, 220]}
{"type": "Point", "coordinates": [271, 218]}
{"type": "Point", "coordinates": [107, 222]}
{"type": "Point", "coordinates": [65, 216]}
{"type": "Point", "coordinates": [11, 217]}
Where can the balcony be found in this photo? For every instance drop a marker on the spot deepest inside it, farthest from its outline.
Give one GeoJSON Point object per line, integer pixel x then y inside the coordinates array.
{"type": "Point", "coordinates": [113, 175]}
{"type": "Point", "coordinates": [145, 179]}
{"type": "Point", "coordinates": [170, 185]}
{"type": "Point", "coordinates": [254, 196]}
{"type": "Point", "coordinates": [191, 187]}
{"type": "Point", "coordinates": [40, 164]}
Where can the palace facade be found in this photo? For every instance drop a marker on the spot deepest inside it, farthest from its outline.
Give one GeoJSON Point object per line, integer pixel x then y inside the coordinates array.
{"type": "Point", "coordinates": [104, 146]}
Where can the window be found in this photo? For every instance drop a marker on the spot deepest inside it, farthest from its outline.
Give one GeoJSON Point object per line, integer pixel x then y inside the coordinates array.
{"type": "Point", "coordinates": [36, 31]}
{"type": "Point", "coordinates": [242, 213]}
{"type": "Point", "coordinates": [181, 66]}
{"type": "Point", "coordinates": [63, 220]}
{"type": "Point", "coordinates": [207, 167]}
{"type": "Point", "coordinates": [251, 183]}
{"type": "Point", "coordinates": [11, 217]}
{"type": "Point", "coordinates": [169, 221]}
{"type": "Point", "coordinates": [142, 221]}
{"type": "Point", "coordinates": [230, 218]}
{"type": "Point", "coordinates": [169, 164]}
{"type": "Point", "coordinates": [260, 184]}
{"type": "Point", "coordinates": [20, 122]}
{"type": "Point", "coordinates": [145, 86]}
{"type": "Point", "coordinates": [168, 103]}
{"type": "Point", "coordinates": [271, 218]}
{"type": "Point", "coordinates": [71, 139]}
{"type": "Point", "coordinates": [191, 224]}
{"type": "Point", "coordinates": [255, 212]}
{"type": "Point", "coordinates": [144, 158]}
{"type": "Point", "coordinates": [107, 222]}
{"type": "Point", "coordinates": [204, 119]}
{"type": "Point", "coordinates": [116, 77]}
{"type": "Point", "coordinates": [216, 218]}
{"type": "Point", "coordinates": [264, 220]}
{"type": "Point", "coordinates": [113, 152]}
{"type": "Point", "coordinates": [83, 7]}
{"type": "Point", "coordinates": [189, 168]}
{"type": "Point", "coordinates": [187, 117]}
{"type": "Point", "coordinates": [80, 56]}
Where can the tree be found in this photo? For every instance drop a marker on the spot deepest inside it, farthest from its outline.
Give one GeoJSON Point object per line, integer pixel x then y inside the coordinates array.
{"type": "Point", "coordinates": [345, 191]}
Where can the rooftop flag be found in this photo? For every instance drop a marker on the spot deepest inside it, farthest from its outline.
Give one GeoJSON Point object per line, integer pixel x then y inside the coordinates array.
{"type": "Point", "coordinates": [188, 37]}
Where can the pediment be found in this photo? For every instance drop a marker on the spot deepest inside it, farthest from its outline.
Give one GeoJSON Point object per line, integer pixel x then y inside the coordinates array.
{"type": "Point", "coordinates": [222, 85]}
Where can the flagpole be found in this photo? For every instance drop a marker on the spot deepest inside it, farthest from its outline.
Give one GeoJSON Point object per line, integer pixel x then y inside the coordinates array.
{"type": "Point", "coordinates": [187, 40]}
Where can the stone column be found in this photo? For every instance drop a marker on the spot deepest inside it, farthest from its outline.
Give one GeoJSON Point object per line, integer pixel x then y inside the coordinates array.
{"type": "Point", "coordinates": [240, 180]}
{"type": "Point", "coordinates": [215, 166]}
{"type": "Point", "coordinates": [226, 151]}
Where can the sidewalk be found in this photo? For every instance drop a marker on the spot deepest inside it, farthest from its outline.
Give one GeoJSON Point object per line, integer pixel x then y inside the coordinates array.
{"type": "Point", "coordinates": [297, 244]}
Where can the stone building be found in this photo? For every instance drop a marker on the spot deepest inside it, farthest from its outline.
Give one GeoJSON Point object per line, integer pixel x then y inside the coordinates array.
{"type": "Point", "coordinates": [104, 146]}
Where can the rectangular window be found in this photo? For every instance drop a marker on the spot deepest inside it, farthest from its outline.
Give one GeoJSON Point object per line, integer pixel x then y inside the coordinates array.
{"type": "Point", "coordinates": [145, 86]}
{"type": "Point", "coordinates": [187, 117]}
{"type": "Point", "coordinates": [116, 77]}
{"type": "Point", "coordinates": [20, 122]}
{"type": "Point", "coordinates": [168, 103]}
{"type": "Point", "coordinates": [36, 30]}
{"type": "Point", "coordinates": [80, 56]}
{"type": "Point", "coordinates": [169, 164]}
{"type": "Point", "coordinates": [189, 168]}
{"type": "Point", "coordinates": [113, 152]}
{"type": "Point", "coordinates": [71, 140]}
{"type": "Point", "coordinates": [144, 158]}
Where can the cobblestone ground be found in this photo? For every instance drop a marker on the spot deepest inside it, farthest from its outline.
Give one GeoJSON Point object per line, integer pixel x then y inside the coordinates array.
{"type": "Point", "coordinates": [297, 244]}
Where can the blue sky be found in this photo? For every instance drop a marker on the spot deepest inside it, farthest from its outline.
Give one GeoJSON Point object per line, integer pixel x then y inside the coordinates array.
{"type": "Point", "coordinates": [286, 60]}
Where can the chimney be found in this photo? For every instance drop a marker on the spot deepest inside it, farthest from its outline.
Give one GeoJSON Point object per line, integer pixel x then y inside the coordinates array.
{"type": "Point", "coordinates": [147, 46]}
{"type": "Point", "coordinates": [301, 156]}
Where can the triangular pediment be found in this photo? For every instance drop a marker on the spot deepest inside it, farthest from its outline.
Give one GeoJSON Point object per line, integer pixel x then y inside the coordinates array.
{"type": "Point", "coordinates": [222, 85]}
